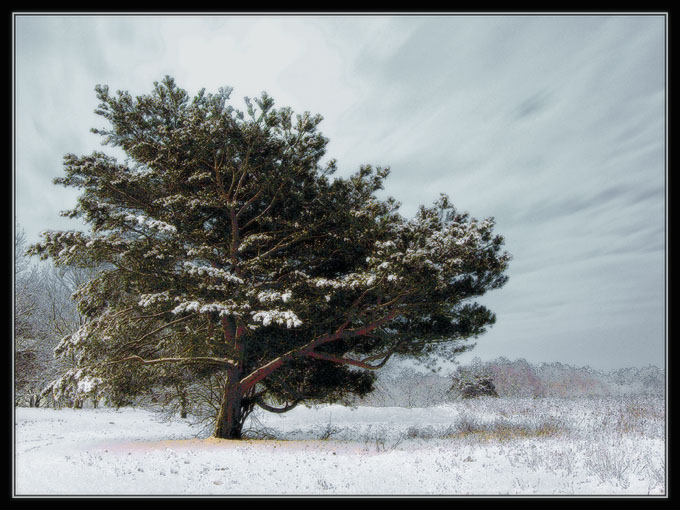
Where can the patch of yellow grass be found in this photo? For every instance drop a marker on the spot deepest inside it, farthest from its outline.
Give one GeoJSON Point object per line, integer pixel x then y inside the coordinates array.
{"type": "Point", "coordinates": [506, 432]}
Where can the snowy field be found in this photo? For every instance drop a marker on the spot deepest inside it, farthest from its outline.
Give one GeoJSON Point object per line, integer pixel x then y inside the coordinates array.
{"type": "Point", "coordinates": [603, 446]}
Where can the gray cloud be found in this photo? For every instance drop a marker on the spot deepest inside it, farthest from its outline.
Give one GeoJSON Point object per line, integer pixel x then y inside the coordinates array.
{"type": "Point", "coordinates": [555, 125]}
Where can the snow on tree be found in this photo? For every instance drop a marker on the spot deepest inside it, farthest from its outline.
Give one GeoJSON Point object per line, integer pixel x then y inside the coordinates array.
{"type": "Point", "coordinates": [231, 249]}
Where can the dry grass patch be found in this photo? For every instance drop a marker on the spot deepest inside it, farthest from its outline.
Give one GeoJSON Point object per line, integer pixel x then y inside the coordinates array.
{"type": "Point", "coordinates": [505, 430]}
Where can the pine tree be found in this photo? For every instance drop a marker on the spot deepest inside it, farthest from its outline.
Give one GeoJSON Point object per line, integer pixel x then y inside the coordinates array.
{"type": "Point", "coordinates": [227, 247]}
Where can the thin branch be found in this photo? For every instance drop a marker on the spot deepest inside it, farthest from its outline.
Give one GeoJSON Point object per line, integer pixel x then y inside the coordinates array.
{"type": "Point", "coordinates": [248, 202]}
{"type": "Point", "coordinates": [243, 168]}
{"type": "Point", "coordinates": [252, 220]}
{"type": "Point", "coordinates": [166, 326]}
{"type": "Point", "coordinates": [378, 356]}
{"type": "Point", "coordinates": [142, 317]}
{"type": "Point", "coordinates": [200, 359]}
{"type": "Point", "coordinates": [349, 361]}
{"type": "Point", "coordinates": [352, 308]}
{"type": "Point", "coordinates": [280, 410]}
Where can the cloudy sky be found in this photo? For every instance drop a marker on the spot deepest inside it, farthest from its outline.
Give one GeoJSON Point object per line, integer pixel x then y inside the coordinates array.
{"type": "Point", "coordinates": [554, 125]}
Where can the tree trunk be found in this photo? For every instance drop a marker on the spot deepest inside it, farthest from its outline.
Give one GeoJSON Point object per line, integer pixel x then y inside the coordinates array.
{"type": "Point", "coordinates": [183, 403]}
{"type": "Point", "coordinates": [229, 419]}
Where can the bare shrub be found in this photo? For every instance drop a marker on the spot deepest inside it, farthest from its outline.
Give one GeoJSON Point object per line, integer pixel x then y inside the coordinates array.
{"type": "Point", "coordinates": [610, 464]}
{"type": "Point", "coordinates": [328, 430]}
{"type": "Point", "coordinates": [378, 439]}
{"type": "Point", "coordinates": [655, 470]}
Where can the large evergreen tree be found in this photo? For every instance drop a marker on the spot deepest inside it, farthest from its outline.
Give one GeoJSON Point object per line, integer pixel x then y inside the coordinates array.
{"type": "Point", "coordinates": [228, 248]}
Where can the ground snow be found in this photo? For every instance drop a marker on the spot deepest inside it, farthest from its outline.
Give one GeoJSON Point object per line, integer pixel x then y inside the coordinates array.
{"type": "Point", "coordinates": [368, 451]}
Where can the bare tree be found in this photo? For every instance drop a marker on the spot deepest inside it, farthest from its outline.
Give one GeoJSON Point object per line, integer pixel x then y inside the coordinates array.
{"type": "Point", "coordinates": [44, 313]}
{"type": "Point", "coordinates": [62, 318]}
{"type": "Point", "coordinates": [30, 359]}
{"type": "Point", "coordinates": [26, 290]}
{"type": "Point", "coordinates": [59, 285]}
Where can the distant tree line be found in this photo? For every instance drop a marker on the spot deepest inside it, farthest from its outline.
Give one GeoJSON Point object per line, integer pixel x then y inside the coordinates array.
{"type": "Point", "coordinates": [521, 378]}
{"type": "Point", "coordinates": [410, 387]}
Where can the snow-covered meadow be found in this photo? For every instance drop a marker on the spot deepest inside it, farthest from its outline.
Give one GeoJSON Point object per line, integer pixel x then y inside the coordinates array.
{"type": "Point", "coordinates": [506, 446]}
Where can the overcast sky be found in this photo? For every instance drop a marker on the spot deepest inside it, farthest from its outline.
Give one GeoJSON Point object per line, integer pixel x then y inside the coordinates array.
{"type": "Point", "coordinates": [554, 125]}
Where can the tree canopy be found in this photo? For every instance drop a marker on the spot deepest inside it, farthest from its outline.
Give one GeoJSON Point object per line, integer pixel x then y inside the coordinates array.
{"type": "Point", "coordinates": [226, 246]}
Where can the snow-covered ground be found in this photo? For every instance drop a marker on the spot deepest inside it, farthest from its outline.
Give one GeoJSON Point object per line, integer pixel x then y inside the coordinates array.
{"type": "Point", "coordinates": [488, 446]}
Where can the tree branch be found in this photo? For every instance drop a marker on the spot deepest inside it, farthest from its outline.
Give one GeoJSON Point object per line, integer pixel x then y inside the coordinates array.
{"type": "Point", "coordinates": [259, 374]}
{"type": "Point", "coordinates": [165, 326]}
{"type": "Point", "coordinates": [252, 220]}
{"type": "Point", "coordinates": [353, 362]}
{"type": "Point", "coordinates": [280, 410]}
{"type": "Point", "coordinates": [200, 359]}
